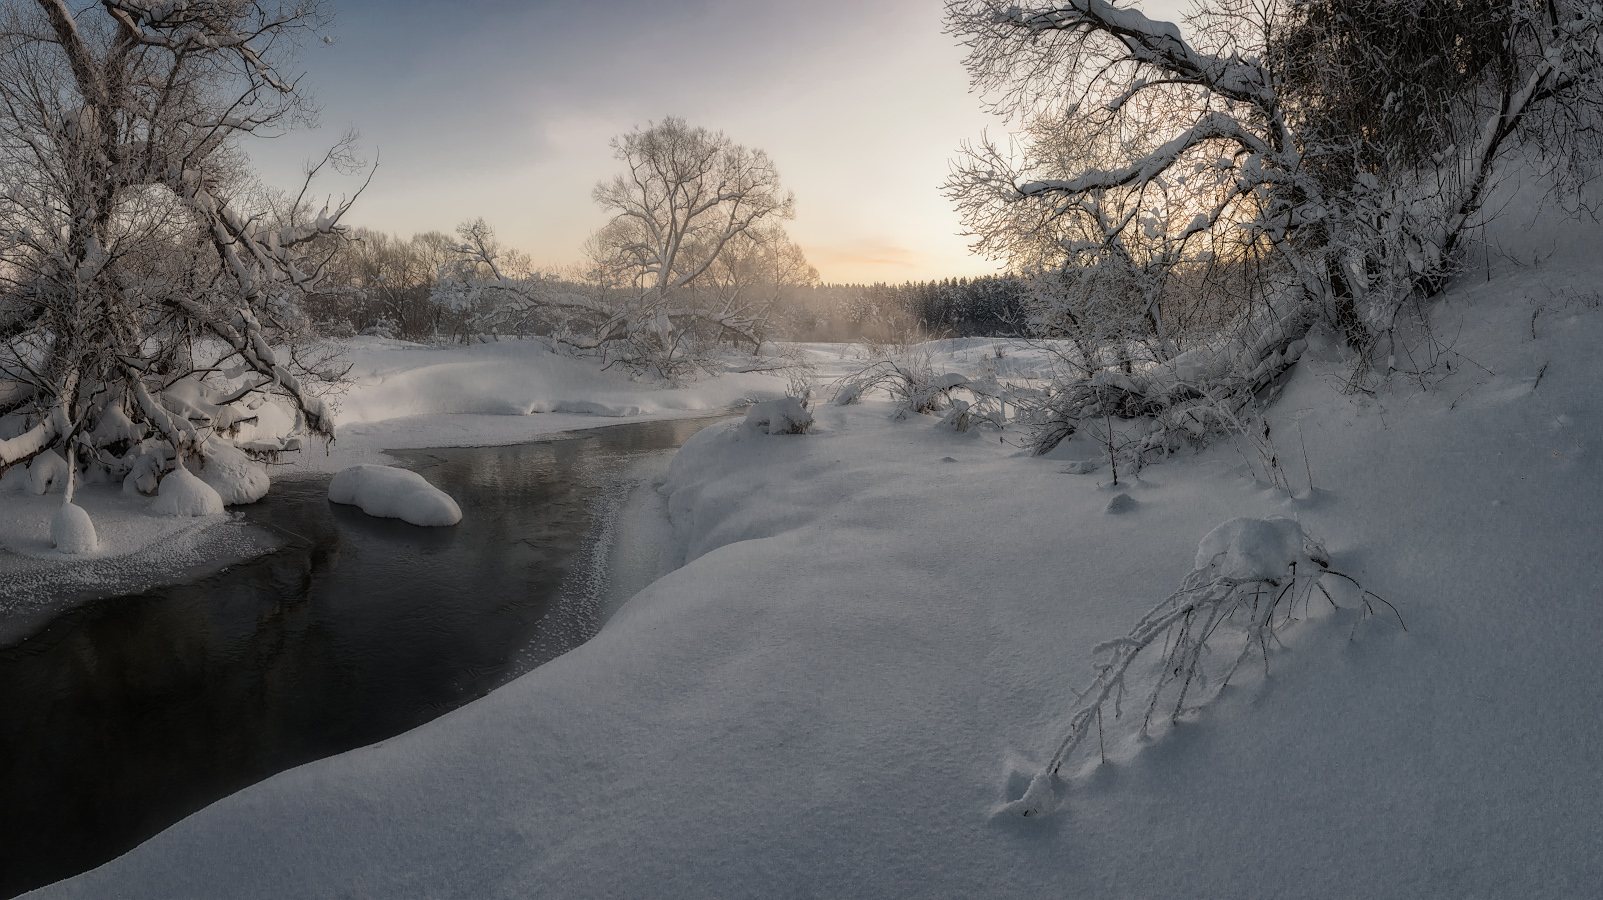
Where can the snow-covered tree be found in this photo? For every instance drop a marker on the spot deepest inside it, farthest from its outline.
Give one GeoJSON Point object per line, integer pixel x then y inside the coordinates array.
{"type": "Point", "coordinates": [145, 294]}
{"type": "Point", "coordinates": [689, 199]}
{"type": "Point", "coordinates": [759, 270]}
{"type": "Point", "coordinates": [1343, 149]}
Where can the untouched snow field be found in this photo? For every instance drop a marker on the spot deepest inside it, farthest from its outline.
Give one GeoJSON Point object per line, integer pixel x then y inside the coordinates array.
{"type": "Point", "coordinates": [877, 628]}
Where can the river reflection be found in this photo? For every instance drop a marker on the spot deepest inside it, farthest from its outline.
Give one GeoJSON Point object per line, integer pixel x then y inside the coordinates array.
{"type": "Point", "coordinates": [130, 713]}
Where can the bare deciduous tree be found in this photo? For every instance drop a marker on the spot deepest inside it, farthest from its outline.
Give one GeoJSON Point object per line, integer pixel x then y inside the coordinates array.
{"type": "Point", "coordinates": [689, 199]}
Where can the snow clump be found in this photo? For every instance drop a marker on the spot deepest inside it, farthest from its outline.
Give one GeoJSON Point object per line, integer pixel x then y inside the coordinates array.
{"type": "Point", "coordinates": [72, 531]}
{"type": "Point", "coordinates": [785, 415]}
{"type": "Point", "coordinates": [394, 494]}
{"type": "Point", "coordinates": [182, 494]}
{"type": "Point", "coordinates": [47, 472]}
{"type": "Point", "coordinates": [1247, 549]}
{"type": "Point", "coordinates": [236, 477]}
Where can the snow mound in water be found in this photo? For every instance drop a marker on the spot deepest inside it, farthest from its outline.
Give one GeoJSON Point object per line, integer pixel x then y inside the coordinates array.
{"type": "Point", "coordinates": [394, 494]}
{"type": "Point", "coordinates": [182, 494]}
{"type": "Point", "coordinates": [785, 415]}
{"type": "Point", "coordinates": [72, 531]}
{"type": "Point", "coordinates": [1248, 549]}
{"type": "Point", "coordinates": [236, 477]}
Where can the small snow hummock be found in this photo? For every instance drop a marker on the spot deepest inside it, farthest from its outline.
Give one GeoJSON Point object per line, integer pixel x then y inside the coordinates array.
{"type": "Point", "coordinates": [1248, 549]}
{"type": "Point", "coordinates": [72, 531]}
{"type": "Point", "coordinates": [236, 477]}
{"type": "Point", "coordinates": [182, 494]}
{"type": "Point", "coordinates": [47, 472]}
{"type": "Point", "coordinates": [1121, 503]}
{"type": "Point", "coordinates": [394, 494]}
{"type": "Point", "coordinates": [784, 415]}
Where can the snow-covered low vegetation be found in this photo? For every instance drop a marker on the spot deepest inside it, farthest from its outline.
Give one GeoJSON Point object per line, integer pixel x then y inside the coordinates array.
{"type": "Point", "coordinates": [877, 633]}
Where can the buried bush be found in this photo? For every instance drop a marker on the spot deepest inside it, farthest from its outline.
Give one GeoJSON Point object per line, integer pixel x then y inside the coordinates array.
{"type": "Point", "coordinates": [1249, 577]}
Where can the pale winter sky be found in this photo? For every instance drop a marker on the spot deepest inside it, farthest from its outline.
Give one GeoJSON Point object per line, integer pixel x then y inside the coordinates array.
{"type": "Point", "coordinates": [504, 109]}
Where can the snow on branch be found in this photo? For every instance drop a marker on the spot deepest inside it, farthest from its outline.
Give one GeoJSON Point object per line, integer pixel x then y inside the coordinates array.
{"type": "Point", "coordinates": [1154, 43]}
{"type": "Point", "coordinates": [1212, 127]}
{"type": "Point", "coordinates": [1249, 579]}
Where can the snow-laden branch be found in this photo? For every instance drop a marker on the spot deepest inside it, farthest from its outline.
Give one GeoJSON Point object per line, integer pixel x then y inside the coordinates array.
{"type": "Point", "coordinates": [1155, 43]}
{"type": "Point", "coordinates": [1211, 127]}
{"type": "Point", "coordinates": [1250, 575]}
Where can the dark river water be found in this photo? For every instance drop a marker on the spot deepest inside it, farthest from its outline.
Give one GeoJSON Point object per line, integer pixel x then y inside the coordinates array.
{"type": "Point", "coordinates": [127, 714]}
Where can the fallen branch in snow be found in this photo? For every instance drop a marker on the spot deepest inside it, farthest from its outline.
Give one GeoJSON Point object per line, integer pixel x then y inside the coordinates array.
{"type": "Point", "coordinates": [1250, 573]}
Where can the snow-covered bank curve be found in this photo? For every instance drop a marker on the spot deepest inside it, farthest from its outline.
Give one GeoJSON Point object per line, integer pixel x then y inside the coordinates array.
{"type": "Point", "coordinates": [823, 700]}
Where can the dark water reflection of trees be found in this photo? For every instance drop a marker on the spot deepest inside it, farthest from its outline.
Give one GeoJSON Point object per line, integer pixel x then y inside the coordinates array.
{"type": "Point", "coordinates": [131, 713]}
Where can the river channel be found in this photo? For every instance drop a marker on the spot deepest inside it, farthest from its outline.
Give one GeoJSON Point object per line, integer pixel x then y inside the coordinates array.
{"type": "Point", "coordinates": [129, 713]}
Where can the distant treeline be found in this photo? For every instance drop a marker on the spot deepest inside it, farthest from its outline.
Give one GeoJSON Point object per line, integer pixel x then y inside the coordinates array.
{"type": "Point", "coordinates": [980, 306]}
{"type": "Point", "coordinates": [413, 289]}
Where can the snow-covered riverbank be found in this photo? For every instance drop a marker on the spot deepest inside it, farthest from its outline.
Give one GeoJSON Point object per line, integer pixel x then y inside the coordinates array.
{"type": "Point", "coordinates": [880, 626]}
{"type": "Point", "coordinates": [399, 396]}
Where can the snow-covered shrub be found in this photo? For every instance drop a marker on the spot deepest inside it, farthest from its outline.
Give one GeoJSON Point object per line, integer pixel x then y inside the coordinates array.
{"type": "Point", "coordinates": [909, 380]}
{"type": "Point", "coordinates": [1248, 578]}
{"type": "Point", "coordinates": [392, 493]}
{"type": "Point", "coordinates": [784, 415]}
{"type": "Point", "coordinates": [71, 530]}
{"type": "Point", "coordinates": [145, 464]}
{"type": "Point", "coordinates": [236, 477]}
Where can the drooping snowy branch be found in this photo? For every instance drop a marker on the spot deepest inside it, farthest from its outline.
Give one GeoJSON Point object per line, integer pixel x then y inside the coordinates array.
{"type": "Point", "coordinates": [1249, 579]}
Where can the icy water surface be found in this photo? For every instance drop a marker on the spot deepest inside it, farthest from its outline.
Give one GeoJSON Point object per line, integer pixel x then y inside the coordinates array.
{"type": "Point", "coordinates": [132, 712]}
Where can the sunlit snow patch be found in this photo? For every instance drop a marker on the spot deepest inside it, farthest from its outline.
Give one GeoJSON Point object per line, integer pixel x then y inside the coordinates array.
{"type": "Point", "coordinates": [394, 494]}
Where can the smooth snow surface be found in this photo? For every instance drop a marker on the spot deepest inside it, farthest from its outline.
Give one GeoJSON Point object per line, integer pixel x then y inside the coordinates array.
{"type": "Point", "coordinates": [408, 396]}
{"type": "Point", "coordinates": [182, 494]}
{"type": "Point", "coordinates": [394, 494]}
{"type": "Point", "coordinates": [71, 530]}
{"type": "Point", "coordinates": [868, 648]}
